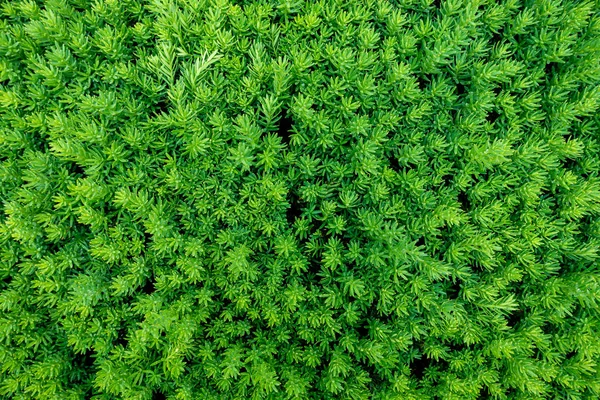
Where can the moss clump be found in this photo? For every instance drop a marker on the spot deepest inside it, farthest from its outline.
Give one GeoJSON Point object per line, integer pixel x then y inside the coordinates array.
{"type": "Point", "coordinates": [218, 199]}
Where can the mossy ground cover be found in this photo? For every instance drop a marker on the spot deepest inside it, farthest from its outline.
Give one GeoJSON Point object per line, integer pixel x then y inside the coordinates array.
{"type": "Point", "coordinates": [299, 199]}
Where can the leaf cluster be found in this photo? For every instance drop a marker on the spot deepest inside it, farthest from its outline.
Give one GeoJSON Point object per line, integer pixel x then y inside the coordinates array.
{"type": "Point", "coordinates": [299, 199]}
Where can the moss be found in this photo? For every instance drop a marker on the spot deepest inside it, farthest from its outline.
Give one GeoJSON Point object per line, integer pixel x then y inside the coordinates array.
{"type": "Point", "coordinates": [226, 199]}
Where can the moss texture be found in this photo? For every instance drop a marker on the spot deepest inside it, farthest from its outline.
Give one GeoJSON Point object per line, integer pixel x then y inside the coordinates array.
{"type": "Point", "coordinates": [357, 199]}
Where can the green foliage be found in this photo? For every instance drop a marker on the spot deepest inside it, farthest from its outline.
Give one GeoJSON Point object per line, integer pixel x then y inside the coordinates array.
{"type": "Point", "coordinates": [294, 199]}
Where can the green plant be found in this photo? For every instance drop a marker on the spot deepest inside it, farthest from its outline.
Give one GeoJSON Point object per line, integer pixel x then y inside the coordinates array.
{"type": "Point", "coordinates": [294, 199]}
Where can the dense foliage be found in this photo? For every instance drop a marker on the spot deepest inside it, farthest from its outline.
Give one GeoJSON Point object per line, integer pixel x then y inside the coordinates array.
{"type": "Point", "coordinates": [289, 199]}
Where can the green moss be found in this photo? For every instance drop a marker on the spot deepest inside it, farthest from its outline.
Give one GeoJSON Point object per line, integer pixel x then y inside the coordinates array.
{"type": "Point", "coordinates": [293, 199]}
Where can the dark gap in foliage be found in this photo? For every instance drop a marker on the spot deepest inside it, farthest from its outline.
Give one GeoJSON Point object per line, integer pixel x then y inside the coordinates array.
{"type": "Point", "coordinates": [460, 89]}
{"type": "Point", "coordinates": [284, 129]}
{"type": "Point", "coordinates": [424, 81]}
{"type": "Point", "coordinates": [226, 302]}
{"type": "Point", "coordinates": [458, 347]}
{"type": "Point", "coordinates": [162, 107]}
{"type": "Point", "coordinates": [157, 395]}
{"type": "Point", "coordinates": [418, 366]}
{"type": "Point", "coordinates": [121, 337]}
{"type": "Point", "coordinates": [79, 5]}
{"type": "Point", "coordinates": [51, 247]}
{"type": "Point", "coordinates": [570, 164]}
{"type": "Point", "coordinates": [81, 378]}
{"type": "Point", "coordinates": [131, 22]}
{"type": "Point", "coordinates": [324, 233]}
{"type": "Point", "coordinates": [314, 267]}
{"type": "Point", "coordinates": [292, 90]}
{"type": "Point", "coordinates": [514, 318]}
{"type": "Point", "coordinates": [372, 312]}
{"type": "Point", "coordinates": [492, 117]}
{"type": "Point", "coordinates": [453, 114]}
{"type": "Point", "coordinates": [497, 37]}
{"type": "Point", "coordinates": [570, 355]}
{"type": "Point", "coordinates": [547, 329]}
{"type": "Point", "coordinates": [148, 288]}
{"type": "Point", "coordinates": [587, 228]}
{"type": "Point", "coordinates": [453, 290]}
{"type": "Point", "coordinates": [89, 392]}
{"type": "Point", "coordinates": [362, 331]}
{"type": "Point", "coordinates": [7, 280]}
{"type": "Point", "coordinates": [447, 180]}
{"type": "Point", "coordinates": [497, 90]}
{"type": "Point", "coordinates": [282, 17]}
{"type": "Point", "coordinates": [76, 169]}
{"type": "Point", "coordinates": [436, 4]}
{"type": "Point", "coordinates": [545, 194]}
{"type": "Point", "coordinates": [84, 360]}
{"type": "Point", "coordinates": [344, 240]}
{"type": "Point", "coordinates": [550, 69]}
{"type": "Point", "coordinates": [420, 241]}
{"type": "Point", "coordinates": [476, 266]}
{"type": "Point", "coordinates": [394, 164]}
{"type": "Point", "coordinates": [484, 177]}
{"type": "Point", "coordinates": [295, 209]}
{"type": "Point", "coordinates": [464, 201]}
{"type": "Point", "coordinates": [277, 18]}
{"type": "Point", "coordinates": [147, 238]}
{"type": "Point", "coordinates": [177, 75]}
{"type": "Point", "coordinates": [484, 393]}
{"type": "Point", "coordinates": [77, 231]}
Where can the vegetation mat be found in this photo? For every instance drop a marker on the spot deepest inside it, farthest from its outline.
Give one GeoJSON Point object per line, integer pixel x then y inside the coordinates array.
{"type": "Point", "coordinates": [299, 199]}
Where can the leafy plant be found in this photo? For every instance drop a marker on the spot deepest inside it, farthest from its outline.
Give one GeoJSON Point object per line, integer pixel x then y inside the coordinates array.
{"type": "Point", "coordinates": [286, 199]}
